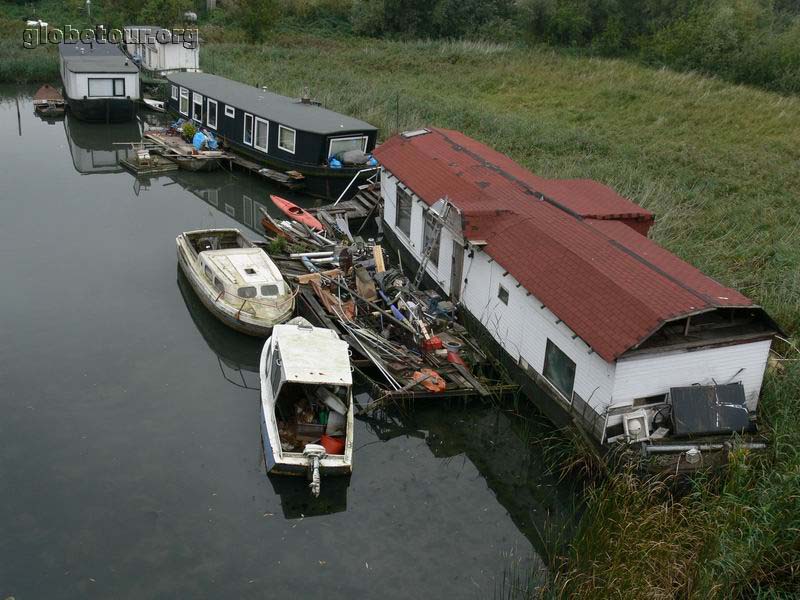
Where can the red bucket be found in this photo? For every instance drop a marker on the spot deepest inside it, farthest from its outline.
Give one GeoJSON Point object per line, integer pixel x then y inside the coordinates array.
{"type": "Point", "coordinates": [332, 445]}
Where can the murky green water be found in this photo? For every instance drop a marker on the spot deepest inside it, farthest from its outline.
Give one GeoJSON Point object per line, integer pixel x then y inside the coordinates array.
{"type": "Point", "coordinates": [130, 456]}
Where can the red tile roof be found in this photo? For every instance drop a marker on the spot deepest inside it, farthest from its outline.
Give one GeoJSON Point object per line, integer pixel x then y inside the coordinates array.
{"type": "Point", "coordinates": [559, 238]}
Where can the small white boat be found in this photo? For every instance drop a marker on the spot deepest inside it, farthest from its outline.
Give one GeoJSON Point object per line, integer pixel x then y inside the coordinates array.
{"type": "Point", "coordinates": [306, 402]}
{"type": "Point", "coordinates": [235, 280]}
{"type": "Point", "coordinates": [156, 105]}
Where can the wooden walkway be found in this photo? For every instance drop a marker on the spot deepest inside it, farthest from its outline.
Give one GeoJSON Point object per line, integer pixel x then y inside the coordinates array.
{"type": "Point", "coordinates": [289, 179]}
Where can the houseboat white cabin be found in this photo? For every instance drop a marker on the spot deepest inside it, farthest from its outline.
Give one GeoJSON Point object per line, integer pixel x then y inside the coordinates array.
{"type": "Point", "coordinates": [235, 279]}
{"type": "Point", "coordinates": [306, 402]}
{"type": "Point", "coordinates": [101, 84]}
{"type": "Point", "coordinates": [600, 325]}
{"type": "Point", "coordinates": [162, 51]}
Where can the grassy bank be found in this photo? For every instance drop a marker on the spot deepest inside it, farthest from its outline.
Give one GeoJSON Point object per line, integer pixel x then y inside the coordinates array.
{"type": "Point", "coordinates": [718, 163]}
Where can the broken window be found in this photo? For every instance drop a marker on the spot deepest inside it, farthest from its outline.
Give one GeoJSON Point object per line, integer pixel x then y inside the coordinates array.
{"type": "Point", "coordinates": [559, 369]}
{"type": "Point", "coordinates": [403, 215]}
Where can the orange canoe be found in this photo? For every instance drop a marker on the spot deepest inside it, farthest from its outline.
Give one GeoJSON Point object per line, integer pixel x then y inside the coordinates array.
{"type": "Point", "coordinates": [291, 210]}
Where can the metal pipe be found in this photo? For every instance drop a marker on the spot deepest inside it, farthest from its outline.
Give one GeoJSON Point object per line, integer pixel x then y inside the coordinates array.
{"type": "Point", "coordinates": [664, 448]}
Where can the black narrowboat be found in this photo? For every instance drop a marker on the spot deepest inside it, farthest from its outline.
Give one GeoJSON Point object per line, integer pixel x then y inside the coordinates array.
{"type": "Point", "coordinates": [281, 133]}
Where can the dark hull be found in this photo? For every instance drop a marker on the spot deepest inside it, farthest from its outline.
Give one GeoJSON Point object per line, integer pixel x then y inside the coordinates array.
{"type": "Point", "coordinates": [103, 110]}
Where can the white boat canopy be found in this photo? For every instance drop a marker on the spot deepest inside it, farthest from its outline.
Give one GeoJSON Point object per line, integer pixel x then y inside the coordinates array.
{"type": "Point", "coordinates": [313, 355]}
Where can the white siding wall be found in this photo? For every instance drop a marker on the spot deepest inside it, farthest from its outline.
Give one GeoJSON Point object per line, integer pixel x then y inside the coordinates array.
{"type": "Point", "coordinates": [522, 327]}
{"type": "Point", "coordinates": [413, 243]}
{"type": "Point", "coordinates": [78, 83]}
{"type": "Point", "coordinates": [652, 374]}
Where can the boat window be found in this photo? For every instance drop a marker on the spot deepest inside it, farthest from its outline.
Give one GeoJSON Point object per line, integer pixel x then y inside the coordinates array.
{"type": "Point", "coordinates": [197, 107]}
{"type": "Point", "coordinates": [209, 274]}
{"type": "Point", "coordinates": [101, 87]}
{"type": "Point", "coordinates": [276, 371]}
{"type": "Point", "coordinates": [247, 292]}
{"type": "Point", "coordinates": [261, 134]}
{"type": "Point", "coordinates": [349, 143]}
{"type": "Point", "coordinates": [428, 239]}
{"type": "Point", "coordinates": [248, 129]}
{"type": "Point", "coordinates": [559, 369]}
{"type": "Point", "coordinates": [230, 112]}
{"type": "Point", "coordinates": [212, 113]}
{"type": "Point", "coordinates": [119, 87]}
{"type": "Point", "coordinates": [502, 293]}
{"type": "Point", "coordinates": [657, 399]}
{"type": "Point", "coordinates": [218, 285]}
{"type": "Point", "coordinates": [403, 214]}
{"type": "Point", "coordinates": [270, 290]}
{"type": "Point", "coordinates": [286, 138]}
{"type": "Point", "coordinates": [174, 95]}
{"type": "Point", "coordinates": [184, 104]}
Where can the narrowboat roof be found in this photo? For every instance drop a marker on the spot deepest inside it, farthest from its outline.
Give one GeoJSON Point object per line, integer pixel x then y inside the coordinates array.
{"type": "Point", "coordinates": [244, 266]}
{"type": "Point", "coordinates": [95, 57]}
{"type": "Point", "coordinates": [313, 354]}
{"type": "Point", "coordinates": [281, 109]}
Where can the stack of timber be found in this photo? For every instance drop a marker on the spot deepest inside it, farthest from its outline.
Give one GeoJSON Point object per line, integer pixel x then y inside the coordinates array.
{"type": "Point", "coordinates": [409, 337]}
{"type": "Point", "coordinates": [361, 206]}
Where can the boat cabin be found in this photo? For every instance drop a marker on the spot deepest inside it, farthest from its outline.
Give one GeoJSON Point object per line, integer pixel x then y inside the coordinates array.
{"type": "Point", "coordinates": [560, 278]}
{"type": "Point", "coordinates": [101, 84]}
{"type": "Point", "coordinates": [161, 51]}
{"type": "Point", "coordinates": [286, 134]}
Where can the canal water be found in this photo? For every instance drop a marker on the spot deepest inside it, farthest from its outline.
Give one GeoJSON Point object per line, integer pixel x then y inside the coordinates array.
{"type": "Point", "coordinates": [130, 453]}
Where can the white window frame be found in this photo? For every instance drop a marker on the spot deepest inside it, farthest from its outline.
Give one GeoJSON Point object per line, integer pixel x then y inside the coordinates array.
{"type": "Point", "coordinates": [347, 139]}
{"type": "Point", "coordinates": [230, 111]}
{"type": "Point", "coordinates": [244, 130]}
{"type": "Point", "coordinates": [294, 139]}
{"type": "Point", "coordinates": [174, 94]}
{"type": "Point", "coordinates": [256, 121]}
{"type": "Point", "coordinates": [188, 102]}
{"type": "Point", "coordinates": [209, 102]}
{"type": "Point", "coordinates": [197, 100]}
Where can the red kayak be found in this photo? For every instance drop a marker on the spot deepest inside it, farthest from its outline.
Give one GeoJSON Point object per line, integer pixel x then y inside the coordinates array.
{"type": "Point", "coordinates": [291, 210]}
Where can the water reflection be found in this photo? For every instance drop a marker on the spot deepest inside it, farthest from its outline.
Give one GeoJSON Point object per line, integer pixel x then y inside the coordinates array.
{"type": "Point", "coordinates": [98, 148]}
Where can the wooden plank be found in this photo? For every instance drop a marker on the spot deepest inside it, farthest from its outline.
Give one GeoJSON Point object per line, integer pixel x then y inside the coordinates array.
{"type": "Point", "coordinates": [471, 379]}
{"type": "Point", "coordinates": [377, 254]}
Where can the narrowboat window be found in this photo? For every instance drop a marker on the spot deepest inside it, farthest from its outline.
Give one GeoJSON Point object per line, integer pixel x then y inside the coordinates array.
{"type": "Point", "coordinates": [403, 215]}
{"type": "Point", "coordinates": [270, 290]}
{"type": "Point", "coordinates": [197, 108]}
{"type": "Point", "coordinates": [211, 117]}
{"type": "Point", "coordinates": [345, 144]}
{"type": "Point", "coordinates": [248, 130]}
{"type": "Point", "coordinates": [502, 293]}
{"type": "Point", "coordinates": [230, 111]}
{"type": "Point", "coordinates": [559, 369]}
{"type": "Point", "coordinates": [428, 239]}
{"type": "Point", "coordinates": [119, 87]}
{"type": "Point", "coordinates": [174, 95]}
{"type": "Point", "coordinates": [100, 87]}
{"type": "Point", "coordinates": [184, 104]}
{"type": "Point", "coordinates": [286, 138]}
{"type": "Point", "coordinates": [218, 285]}
{"type": "Point", "coordinates": [247, 292]}
{"type": "Point", "coordinates": [262, 131]}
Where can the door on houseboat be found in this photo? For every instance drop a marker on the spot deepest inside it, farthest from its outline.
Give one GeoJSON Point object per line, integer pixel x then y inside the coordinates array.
{"type": "Point", "coordinates": [456, 267]}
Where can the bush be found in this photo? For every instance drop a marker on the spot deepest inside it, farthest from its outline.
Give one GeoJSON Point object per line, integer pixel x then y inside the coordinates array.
{"type": "Point", "coordinates": [188, 130]}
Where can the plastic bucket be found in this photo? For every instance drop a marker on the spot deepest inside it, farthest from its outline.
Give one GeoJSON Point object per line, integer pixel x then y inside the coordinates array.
{"type": "Point", "coordinates": [332, 445]}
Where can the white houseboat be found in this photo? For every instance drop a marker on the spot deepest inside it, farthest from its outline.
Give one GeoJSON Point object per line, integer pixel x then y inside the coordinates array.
{"type": "Point", "coordinates": [235, 279]}
{"type": "Point", "coordinates": [306, 402]}
{"type": "Point", "coordinates": [599, 324]}
{"type": "Point", "coordinates": [160, 51]}
{"type": "Point", "coordinates": [100, 83]}
{"type": "Point", "coordinates": [286, 134]}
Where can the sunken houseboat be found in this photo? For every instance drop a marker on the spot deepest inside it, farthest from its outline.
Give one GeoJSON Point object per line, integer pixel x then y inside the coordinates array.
{"type": "Point", "coordinates": [101, 84]}
{"type": "Point", "coordinates": [286, 134]}
{"type": "Point", "coordinates": [600, 325]}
